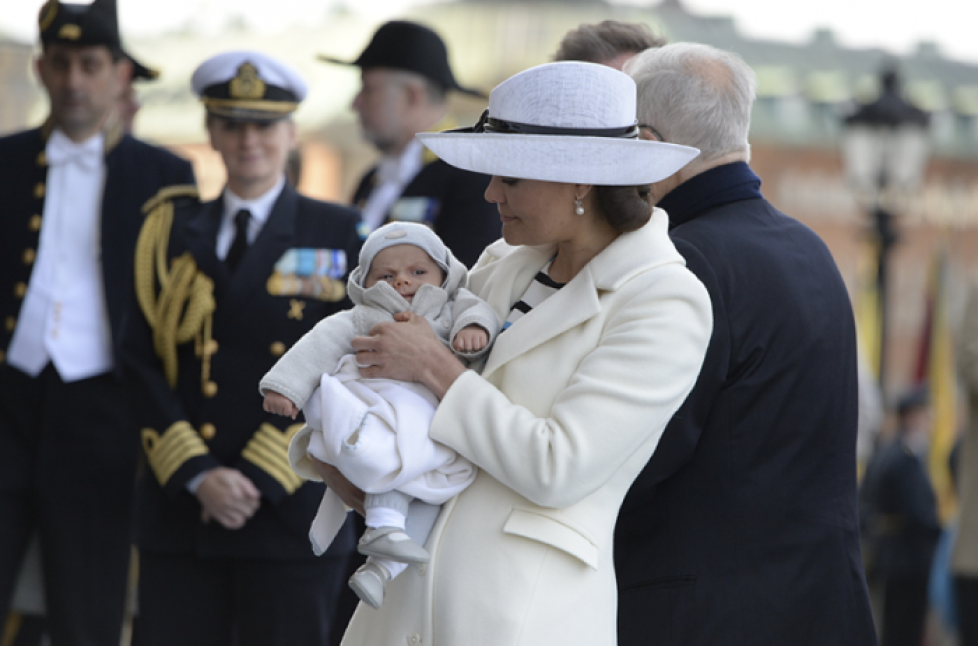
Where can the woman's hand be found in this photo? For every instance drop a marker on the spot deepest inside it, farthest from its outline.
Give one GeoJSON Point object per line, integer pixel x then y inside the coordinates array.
{"type": "Point", "coordinates": [351, 496]}
{"type": "Point", "coordinates": [407, 350]}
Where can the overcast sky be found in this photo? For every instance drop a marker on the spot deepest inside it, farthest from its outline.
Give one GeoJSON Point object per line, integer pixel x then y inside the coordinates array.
{"type": "Point", "coordinates": [896, 25]}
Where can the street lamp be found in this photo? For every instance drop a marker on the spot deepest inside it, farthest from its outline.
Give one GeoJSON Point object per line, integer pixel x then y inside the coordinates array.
{"type": "Point", "coordinates": [884, 153]}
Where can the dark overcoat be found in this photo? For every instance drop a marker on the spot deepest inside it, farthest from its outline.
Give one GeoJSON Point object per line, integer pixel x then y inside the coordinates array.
{"type": "Point", "coordinates": [743, 527]}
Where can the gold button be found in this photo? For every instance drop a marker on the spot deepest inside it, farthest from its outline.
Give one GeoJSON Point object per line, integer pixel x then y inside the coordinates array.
{"type": "Point", "coordinates": [28, 256]}
{"type": "Point", "coordinates": [39, 190]}
{"type": "Point", "coordinates": [34, 224]}
{"type": "Point", "coordinates": [42, 158]}
{"type": "Point", "coordinates": [208, 431]}
{"type": "Point", "coordinates": [11, 323]}
{"type": "Point", "coordinates": [210, 389]}
{"type": "Point", "coordinates": [20, 289]}
{"type": "Point", "coordinates": [277, 349]}
{"type": "Point", "coordinates": [211, 348]}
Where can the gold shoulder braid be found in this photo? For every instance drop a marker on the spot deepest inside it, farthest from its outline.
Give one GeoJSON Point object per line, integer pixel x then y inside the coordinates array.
{"type": "Point", "coordinates": [184, 308]}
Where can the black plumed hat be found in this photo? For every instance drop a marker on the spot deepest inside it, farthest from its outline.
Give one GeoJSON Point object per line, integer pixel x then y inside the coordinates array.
{"type": "Point", "coordinates": [403, 45]}
{"type": "Point", "coordinates": [93, 24]}
{"type": "Point", "coordinates": [77, 24]}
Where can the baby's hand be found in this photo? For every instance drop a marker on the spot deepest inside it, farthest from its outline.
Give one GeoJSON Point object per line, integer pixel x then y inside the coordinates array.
{"type": "Point", "coordinates": [471, 338]}
{"type": "Point", "coordinates": [279, 404]}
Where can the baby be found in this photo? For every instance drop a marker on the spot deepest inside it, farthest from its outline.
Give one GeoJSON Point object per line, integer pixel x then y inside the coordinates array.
{"type": "Point", "coordinates": [375, 431]}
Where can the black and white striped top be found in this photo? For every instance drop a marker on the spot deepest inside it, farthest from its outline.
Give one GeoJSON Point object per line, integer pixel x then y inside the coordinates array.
{"type": "Point", "coordinates": [542, 287]}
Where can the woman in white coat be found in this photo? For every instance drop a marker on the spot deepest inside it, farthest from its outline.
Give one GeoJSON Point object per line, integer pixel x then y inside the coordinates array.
{"type": "Point", "coordinates": [606, 331]}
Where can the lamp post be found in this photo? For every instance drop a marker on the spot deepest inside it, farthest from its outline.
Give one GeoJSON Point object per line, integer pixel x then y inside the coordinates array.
{"type": "Point", "coordinates": [884, 153]}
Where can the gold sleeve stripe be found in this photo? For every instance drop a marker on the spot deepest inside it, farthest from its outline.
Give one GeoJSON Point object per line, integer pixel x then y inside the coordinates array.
{"type": "Point", "coordinates": [169, 452]}
{"type": "Point", "coordinates": [268, 449]}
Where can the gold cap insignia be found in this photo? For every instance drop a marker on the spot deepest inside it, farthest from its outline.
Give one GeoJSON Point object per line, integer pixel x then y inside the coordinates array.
{"type": "Point", "coordinates": [48, 13]}
{"type": "Point", "coordinates": [246, 84]}
{"type": "Point", "coordinates": [70, 32]}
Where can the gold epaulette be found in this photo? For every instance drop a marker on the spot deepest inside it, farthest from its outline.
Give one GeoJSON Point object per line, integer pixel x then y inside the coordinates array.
{"type": "Point", "coordinates": [168, 453]}
{"type": "Point", "coordinates": [182, 309]}
{"type": "Point", "coordinates": [268, 449]}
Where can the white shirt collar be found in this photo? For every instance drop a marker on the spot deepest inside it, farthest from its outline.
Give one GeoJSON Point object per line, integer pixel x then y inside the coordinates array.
{"type": "Point", "coordinates": [260, 207]}
{"type": "Point", "coordinates": [401, 169]}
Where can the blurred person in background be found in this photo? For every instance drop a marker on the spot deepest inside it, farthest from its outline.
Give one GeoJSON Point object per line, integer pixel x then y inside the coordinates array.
{"type": "Point", "coordinates": [69, 217]}
{"type": "Point", "coordinates": [129, 103]}
{"type": "Point", "coordinates": [610, 42]}
{"type": "Point", "coordinates": [743, 527]}
{"type": "Point", "coordinates": [964, 558]}
{"type": "Point", "coordinates": [405, 80]}
{"type": "Point", "coordinates": [899, 516]}
{"type": "Point", "coordinates": [224, 288]}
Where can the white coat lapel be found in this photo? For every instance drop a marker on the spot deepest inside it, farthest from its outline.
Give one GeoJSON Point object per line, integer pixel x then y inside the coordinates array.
{"type": "Point", "coordinates": [575, 303]}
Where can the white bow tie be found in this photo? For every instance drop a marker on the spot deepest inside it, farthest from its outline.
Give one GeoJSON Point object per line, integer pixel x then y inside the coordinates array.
{"type": "Point", "coordinates": [62, 150]}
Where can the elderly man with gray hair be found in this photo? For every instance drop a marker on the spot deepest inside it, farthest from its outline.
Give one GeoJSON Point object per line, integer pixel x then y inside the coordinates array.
{"type": "Point", "coordinates": [742, 529]}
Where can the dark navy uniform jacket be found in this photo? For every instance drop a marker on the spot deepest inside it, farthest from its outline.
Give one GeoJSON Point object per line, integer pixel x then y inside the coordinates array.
{"type": "Point", "coordinates": [450, 200]}
{"type": "Point", "coordinates": [743, 527]}
{"type": "Point", "coordinates": [135, 171]}
{"type": "Point", "coordinates": [212, 415]}
{"type": "Point", "coordinates": [899, 512]}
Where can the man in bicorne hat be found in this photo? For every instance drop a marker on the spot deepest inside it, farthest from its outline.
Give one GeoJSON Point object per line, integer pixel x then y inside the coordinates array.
{"type": "Point", "coordinates": [70, 196]}
{"type": "Point", "coordinates": [405, 80]}
{"type": "Point", "coordinates": [225, 288]}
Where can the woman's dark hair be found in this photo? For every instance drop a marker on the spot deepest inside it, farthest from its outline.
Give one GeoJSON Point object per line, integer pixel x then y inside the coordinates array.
{"type": "Point", "coordinates": [625, 208]}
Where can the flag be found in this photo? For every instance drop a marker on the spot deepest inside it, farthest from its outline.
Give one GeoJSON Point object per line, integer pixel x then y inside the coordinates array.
{"type": "Point", "coordinates": [869, 319]}
{"type": "Point", "coordinates": [936, 368]}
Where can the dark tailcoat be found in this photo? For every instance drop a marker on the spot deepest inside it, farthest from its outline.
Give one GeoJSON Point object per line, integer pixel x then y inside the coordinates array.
{"type": "Point", "coordinates": [455, 207]}
{"type": "Point", "coordinates": [743, 527]}
{"type": "Point", "coordinates": [193, 427]}
{"type": "Point", "coordinates": [135, 171]}
{"type": "Point", "coordinates": [68, 453]}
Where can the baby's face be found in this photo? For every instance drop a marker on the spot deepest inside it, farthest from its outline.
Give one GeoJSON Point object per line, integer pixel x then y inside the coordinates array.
{"type": "Point", "coordinates": [405, 268]}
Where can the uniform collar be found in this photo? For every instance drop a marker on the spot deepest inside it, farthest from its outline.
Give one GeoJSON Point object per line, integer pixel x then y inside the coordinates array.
{"type": "Point", "coordinates": [259, 207]}
{"type": "Point", "coordinates": [714, 187]}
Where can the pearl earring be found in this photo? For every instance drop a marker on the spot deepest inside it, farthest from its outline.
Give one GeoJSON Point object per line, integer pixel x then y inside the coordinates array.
{"type": "Point", "coordinates": [578, 207]}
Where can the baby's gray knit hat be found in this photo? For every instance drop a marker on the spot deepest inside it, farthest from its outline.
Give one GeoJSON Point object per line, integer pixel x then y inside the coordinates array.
{"type": "Point", "coordinates": [396, 233]}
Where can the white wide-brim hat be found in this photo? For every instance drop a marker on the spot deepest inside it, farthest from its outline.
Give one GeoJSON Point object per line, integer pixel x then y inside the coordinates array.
{"type": "Point", "coordinates": [568, 121]}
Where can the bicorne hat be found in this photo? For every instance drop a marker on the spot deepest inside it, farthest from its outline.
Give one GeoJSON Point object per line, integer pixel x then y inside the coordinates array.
{"type": "Point", "coordinates": [248, 86]}
{"type": "Point", "coordinates": [409, 46]}
{"type": "Point", "coordinates": [93, 24]}
{"type": "Point", "coordinates": [567, 122]}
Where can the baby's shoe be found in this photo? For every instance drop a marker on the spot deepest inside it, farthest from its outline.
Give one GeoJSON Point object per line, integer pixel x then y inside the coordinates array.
{"type": "Point", "coordinates": [369, 583]}
{"type": "Point", "coordinates": [391, 543]}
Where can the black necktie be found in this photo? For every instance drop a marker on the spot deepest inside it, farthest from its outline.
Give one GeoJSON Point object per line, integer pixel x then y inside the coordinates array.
{"type": "Point", "coordinates": [240, 244]}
